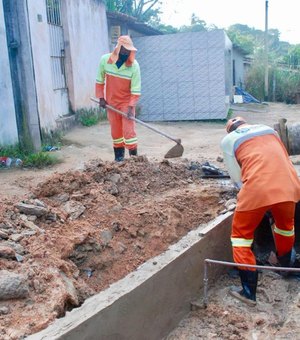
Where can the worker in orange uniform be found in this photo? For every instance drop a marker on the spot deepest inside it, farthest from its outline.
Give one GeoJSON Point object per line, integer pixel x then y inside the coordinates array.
{"type": "Point", "coordinates": [259, 165]}
{"type": "Point", "coordinates": [118, 84]}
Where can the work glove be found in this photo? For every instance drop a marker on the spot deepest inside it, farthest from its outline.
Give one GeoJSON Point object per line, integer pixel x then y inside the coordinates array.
{"type": "Point", "coordinates": [130, 112]}
{"type": "Point", "coordinates": [102, 103]}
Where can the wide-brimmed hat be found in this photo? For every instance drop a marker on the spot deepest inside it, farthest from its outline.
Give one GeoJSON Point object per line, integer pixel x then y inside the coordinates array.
{"type": "Point", "coordinates": [125, 41]}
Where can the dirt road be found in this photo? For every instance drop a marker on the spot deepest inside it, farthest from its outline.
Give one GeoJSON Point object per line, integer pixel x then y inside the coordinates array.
{"type": "Point", "coordinates": [201, 141]}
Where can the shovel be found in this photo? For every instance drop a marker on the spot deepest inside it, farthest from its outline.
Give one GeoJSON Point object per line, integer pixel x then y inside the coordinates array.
{"type": "Point", "coordinates": [175, 151]}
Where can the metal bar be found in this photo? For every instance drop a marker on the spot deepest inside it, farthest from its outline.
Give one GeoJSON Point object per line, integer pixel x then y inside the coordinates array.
{"type": "Point", "coordinates": [232, 264]}
{"type": "Point", "coordinates": [176, 140]}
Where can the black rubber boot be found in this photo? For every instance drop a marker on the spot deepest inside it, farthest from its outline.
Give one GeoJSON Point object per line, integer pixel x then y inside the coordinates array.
{"type": "Point", "coordinates": [119, 154]}
{"type": "Point", "coordinates": [133, 152]}
{"type": "Point", "coordinates": [287, 260]}
{"type": "Point", "coordinates": [249, 283]}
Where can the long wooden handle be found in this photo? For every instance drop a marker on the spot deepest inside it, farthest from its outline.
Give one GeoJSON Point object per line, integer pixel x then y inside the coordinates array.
{"type": "Point", "coordinates": [176, 140]}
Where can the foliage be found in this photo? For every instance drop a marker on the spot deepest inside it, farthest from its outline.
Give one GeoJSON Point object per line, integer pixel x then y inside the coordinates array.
{"type": "Point", "coordinates": [89, 117]}
{"type": "Point", "coordinates": [143, 10]}
{"type": "Point", "coordinates": [52, 137]}
{"type": "Point", "coordinates": [254, 80]}
{"type": "Point", "coordinates": [39, 160]}
{"type": "Point", "coordinates": [287, 84]}
{"type": "Point", "coordinates": [196, 25]}
{"type": "Point", "coordinates": [29, 159]}
{"type": "Point", "coordinates": [283, 60]}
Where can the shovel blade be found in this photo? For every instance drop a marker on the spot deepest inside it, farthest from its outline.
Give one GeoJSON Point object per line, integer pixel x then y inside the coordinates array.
{"type": "Point", "coordinates": [176, 151]}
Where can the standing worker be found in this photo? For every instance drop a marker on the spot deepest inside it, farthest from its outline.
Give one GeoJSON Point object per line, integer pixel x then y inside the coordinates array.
{"type": "Point", "coordinates": [118, 84]}
{"type": "Point", "coordinates": [259, 165]}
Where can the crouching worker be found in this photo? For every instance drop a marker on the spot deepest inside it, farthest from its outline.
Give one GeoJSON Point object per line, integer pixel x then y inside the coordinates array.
{"type": "Point", "coordinates": [118, 84]}
{"type": "Point", "coordinates": [259, 166]}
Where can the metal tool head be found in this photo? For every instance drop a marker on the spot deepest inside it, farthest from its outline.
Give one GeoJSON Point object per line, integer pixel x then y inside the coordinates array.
{"type": "Point", "coordinates": [176, 151]}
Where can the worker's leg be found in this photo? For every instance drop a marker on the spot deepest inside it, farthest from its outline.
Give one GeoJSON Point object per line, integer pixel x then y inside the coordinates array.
{"type": "Point", "coordinates": [115, 121]}
{"type": "Point", "coordinates": [243, 226]}
{"type": "Point", "coordinates": [284, 231]}
{"type": "Point", "coordinates": [130, 138]}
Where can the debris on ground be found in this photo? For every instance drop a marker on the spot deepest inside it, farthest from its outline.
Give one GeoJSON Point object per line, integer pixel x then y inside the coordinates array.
{"type": "Point", "coordinates": [274, 317]}
{"type": "Point", "coordinates": [80, 231]}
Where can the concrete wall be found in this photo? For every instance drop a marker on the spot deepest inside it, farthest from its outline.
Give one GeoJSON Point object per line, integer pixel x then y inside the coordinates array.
{"type": "Point", "coordinates": [239, 68]}
{"type": "Point", "coordinates": [86, 38]}
{"type": "Point", "coordinates": [22, 70]}
{"type": "Point", "coordinates": [49, 101]}
{"type": "Point", "coordinates": [8, 124]}
{"type": "Point", "coordinates": [149, 303]}
{"type": "Point", "coordinates": [184, 76]}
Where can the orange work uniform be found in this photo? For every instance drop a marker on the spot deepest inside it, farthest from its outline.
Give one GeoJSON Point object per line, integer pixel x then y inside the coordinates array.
{"type": "Point", "coordinates": [121, 88]}
{"type": "Point", "coordinates": [259, 164]}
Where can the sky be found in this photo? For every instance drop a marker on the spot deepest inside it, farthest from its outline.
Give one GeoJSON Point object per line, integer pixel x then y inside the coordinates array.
{"type": "Point", "coordinates": [283, 15]}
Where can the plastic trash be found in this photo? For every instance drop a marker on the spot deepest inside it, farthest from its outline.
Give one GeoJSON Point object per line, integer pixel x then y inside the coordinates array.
{"type": "Point", "coordinates": [50, 148]}
{"type": "Point", "coordinates": [10, 162]}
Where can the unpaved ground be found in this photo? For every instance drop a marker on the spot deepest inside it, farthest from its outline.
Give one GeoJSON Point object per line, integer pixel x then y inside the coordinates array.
{"type": "Point", "coordinates": [276, 315]}
{"type": "Point", "coordinates": [102, 221]}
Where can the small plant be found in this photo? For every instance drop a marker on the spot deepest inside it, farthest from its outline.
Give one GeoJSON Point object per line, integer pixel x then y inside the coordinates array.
{"type": "Point", "coordinates": [89, 117]}
{"type": "Point", "coordinates": [39, 160]}
{"type": "Point", "coordinates": [52, 137]}
{"type": "Point", "coordinates": [229, 114]}
{"type": "Point", "coordinates": [29, 158]}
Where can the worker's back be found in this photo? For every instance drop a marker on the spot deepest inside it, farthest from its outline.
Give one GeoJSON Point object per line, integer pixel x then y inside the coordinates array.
{"type": "Point", "coordinates": [268, 175]}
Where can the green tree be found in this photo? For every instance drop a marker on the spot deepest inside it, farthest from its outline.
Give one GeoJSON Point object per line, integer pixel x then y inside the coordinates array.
{"type": "Point", "coordinates": [196, 25]}
{"type": "Point", "coordinates": [142, 10]}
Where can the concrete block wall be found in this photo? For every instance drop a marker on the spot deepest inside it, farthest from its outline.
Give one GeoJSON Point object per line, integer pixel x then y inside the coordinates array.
{"type": "Point", "coordinates": [183, 76]}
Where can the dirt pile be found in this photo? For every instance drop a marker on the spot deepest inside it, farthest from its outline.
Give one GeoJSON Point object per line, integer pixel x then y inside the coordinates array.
{"type": "Point", "coordinates": [81, 231]}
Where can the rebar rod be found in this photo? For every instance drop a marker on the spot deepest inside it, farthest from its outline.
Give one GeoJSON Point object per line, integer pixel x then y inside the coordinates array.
{"type": "Point", "coordinates": [233, 264]}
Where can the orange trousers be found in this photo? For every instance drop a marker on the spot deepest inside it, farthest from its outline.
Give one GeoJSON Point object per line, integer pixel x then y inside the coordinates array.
{"type": "Point", "coordinates": [122, 129]}
{"type": "Point", "coordinates": [245, 222]}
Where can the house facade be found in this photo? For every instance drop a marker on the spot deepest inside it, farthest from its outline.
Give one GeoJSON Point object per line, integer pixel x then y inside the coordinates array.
{"type": "Point", "coordinates": [48, 63]}
{"type": "Point", "coordinates": [50, 51]}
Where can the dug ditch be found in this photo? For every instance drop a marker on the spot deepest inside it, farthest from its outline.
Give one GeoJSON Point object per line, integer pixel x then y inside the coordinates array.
{"type": "Point", "coordinates": [92, 228]}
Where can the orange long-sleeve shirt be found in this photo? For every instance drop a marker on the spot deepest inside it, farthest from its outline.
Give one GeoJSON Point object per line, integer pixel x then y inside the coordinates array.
{"type": "Point", "coordinates": [267, 174]}
{"type": "Point", "coordinates": [120, 87]}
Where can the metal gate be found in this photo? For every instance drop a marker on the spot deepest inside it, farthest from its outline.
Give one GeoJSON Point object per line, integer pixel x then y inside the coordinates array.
{"type": "Point", "coordinates": [57, 54]}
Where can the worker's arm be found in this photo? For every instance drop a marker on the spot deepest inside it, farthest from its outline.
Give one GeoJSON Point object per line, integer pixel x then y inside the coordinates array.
{"type": "Point", "coordinates": [135, 87]}
{"type": "Point", "coordinates": [100, 79]}
{"type": "Point", "coordinates": [232, 165]}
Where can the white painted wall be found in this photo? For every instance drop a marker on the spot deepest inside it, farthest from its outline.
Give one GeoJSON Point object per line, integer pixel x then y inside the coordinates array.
{"type": "Point", "coordinates": [49, 101]}
{"type": "Point", "coordinates": [86, 35]}
{"type": "Point", "coordinates": [86, 39]}
{"type": "Point", "coordinates": [8, 124]}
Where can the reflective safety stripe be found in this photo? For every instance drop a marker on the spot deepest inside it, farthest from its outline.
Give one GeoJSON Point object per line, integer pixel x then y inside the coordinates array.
{"type": "Point", "coordinates": [118, 140]}
{"type": "Point", "coordinates": [131, 141]}
{"type": "Point", "coordinates": [284, 232]}
{"type": "Point", "coordinates": [241, 242]}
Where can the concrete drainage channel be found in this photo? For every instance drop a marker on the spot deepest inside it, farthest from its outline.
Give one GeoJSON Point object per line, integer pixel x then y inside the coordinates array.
{"type": "Point", "coordinates": [150, 302]}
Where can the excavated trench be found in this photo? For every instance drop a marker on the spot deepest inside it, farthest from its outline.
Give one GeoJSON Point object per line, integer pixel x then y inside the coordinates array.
{"type": "Point", "coordinates": [81, 232]}
{"type": "Point", "coordinates": [118, 252]}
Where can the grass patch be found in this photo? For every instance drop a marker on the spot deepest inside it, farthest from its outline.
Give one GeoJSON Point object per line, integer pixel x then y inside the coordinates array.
{"type": "Point", "coordinates": [29, 158]}
{"type": "Point", "coordinates": [40, 160]}
{"type": "Point", "coordinates": [229, 114]}
{"type": "Point", "coordinates": [89, 117]}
